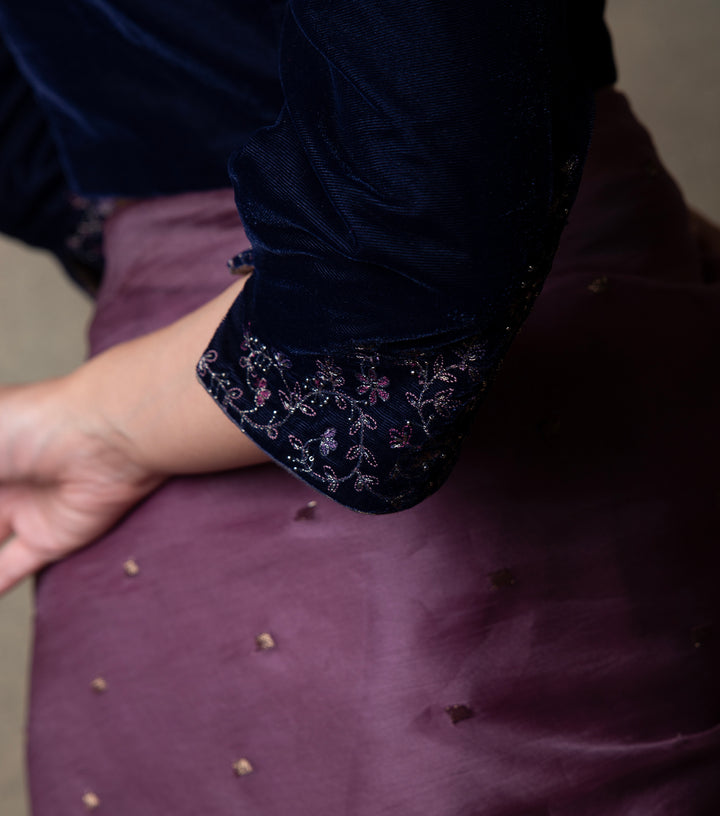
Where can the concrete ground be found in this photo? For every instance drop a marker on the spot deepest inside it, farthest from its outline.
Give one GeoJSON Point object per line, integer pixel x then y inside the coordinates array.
{"type": "Point", "coordinates": [670, 66]}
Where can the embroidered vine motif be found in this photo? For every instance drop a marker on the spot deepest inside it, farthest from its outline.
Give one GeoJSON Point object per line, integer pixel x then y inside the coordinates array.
{"type": "Point", "coordinates": [379, 432]}
{"type": "Point", "coordinates": [367, 404]}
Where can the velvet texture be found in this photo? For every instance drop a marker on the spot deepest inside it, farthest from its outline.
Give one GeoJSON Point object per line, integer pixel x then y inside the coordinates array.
{"type": "Point", "coordinates": [33, 205]}
{"type": "Point", "coordinates": [536, 638]}
{"type": "Point", "coordinates": [415, 208]}
{"type": "Point", "coordinates": [146, 98]}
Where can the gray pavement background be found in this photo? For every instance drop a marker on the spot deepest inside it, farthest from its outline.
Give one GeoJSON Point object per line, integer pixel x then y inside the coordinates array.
{"type": "Point", "coordinates": [669, 65]}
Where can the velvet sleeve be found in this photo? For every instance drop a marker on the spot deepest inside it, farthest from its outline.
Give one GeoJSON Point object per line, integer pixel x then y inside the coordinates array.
{"type": "Point", "coordinates": [403, 212]}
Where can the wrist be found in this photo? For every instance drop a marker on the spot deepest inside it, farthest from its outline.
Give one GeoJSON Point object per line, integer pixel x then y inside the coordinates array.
{"type": "Point", "coordinates": [102, 401]}
{"type": "Point", "coordinates": [144, 394]}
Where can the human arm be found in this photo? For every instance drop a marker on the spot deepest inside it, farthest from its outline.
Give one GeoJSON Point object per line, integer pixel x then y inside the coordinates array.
{"type": "Point", "coordinates": [78, 452]}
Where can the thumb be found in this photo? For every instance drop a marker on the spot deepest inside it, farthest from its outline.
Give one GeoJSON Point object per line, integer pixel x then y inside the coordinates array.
{"type": "Point", "coordinates": [17, 561]}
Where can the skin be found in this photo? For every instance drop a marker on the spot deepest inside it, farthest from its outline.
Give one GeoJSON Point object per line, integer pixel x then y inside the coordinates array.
{"type": "Point", "coordinates": [79, 452]}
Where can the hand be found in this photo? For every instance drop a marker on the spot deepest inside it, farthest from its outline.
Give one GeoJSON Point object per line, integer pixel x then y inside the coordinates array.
{"type": "Point", "coordinates": [66, 477]}
{"type": "Point", "coordinates": [77, 453]}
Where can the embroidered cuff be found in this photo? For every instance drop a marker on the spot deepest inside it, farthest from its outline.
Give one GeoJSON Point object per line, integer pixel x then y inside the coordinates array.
{"type": "Point", "coordinates": [376, 433]}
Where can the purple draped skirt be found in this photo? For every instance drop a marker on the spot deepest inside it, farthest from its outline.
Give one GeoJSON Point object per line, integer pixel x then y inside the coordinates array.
{"type": "Point", "coordinates": [539, 637]}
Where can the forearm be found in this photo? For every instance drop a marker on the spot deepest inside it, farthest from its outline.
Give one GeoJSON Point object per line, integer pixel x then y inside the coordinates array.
{"type": "Point", "coordinates": [147, 393]}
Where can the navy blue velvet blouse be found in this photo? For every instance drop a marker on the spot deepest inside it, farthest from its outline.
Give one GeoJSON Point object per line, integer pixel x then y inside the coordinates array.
{"type": "Point", "coordinates": [403, 177]}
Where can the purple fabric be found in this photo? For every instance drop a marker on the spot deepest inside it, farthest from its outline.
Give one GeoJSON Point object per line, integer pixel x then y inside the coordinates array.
{"type": "Point", "coordinates": [560, 591]}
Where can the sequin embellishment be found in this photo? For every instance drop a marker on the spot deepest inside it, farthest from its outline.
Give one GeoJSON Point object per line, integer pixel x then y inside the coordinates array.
{"type": "Point", "coordinates": [242, 767]}
{"type": "Point", "coordinates": [599, 285]}
{"type": "Point", "coordinates": [377, 425]}
{"type": "Point", "coordinates": [264, 642]}
{"type": "Point", "coordinates": [458, 713]}
{"type": "Point", "coordinates": [389, 429]}
{"type": "Point", "coordinates": [131, 568]}
{"type": "Point", "coordinates": [307, 512]}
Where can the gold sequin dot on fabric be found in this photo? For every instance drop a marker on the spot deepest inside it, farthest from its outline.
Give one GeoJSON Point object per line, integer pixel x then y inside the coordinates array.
{"type": "Point", "coordinates": [306, 513]}
{"type": "Point", "coordinates": [599, 285]}
{"type": "Point", "coordinates": [91, 801]}
{"type": "Point", "coordinates": [131, 568]}
{"type": "Point", "coordinates": [242, 767]}
{"type": "Point", "coordinates": [99, 684]}
{"type": "Point", "coordinates": [458, 713]}
{"type": "Point", "coordinates": [265, 641]}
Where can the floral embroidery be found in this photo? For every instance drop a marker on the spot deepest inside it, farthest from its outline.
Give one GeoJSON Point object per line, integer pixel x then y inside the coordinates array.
{"type": "Point", "coordinates": [373, 386]}
{"type": "Point", "coordinates": [400, 438]}
{"type": "Point", "coordinates": [328, 442]}
{"type": "Point", "coordinates": [262, 394]}
{"type": "Point", "coordinates": [378, 431]}
{"type": "Point", "coordinates": [328, 375]}
{"type": "Point", "coordinates": [365, 480]}
{"type": "Point", "coordinates": [365, 442]}
{"type": "Point", "coordinates": [207, 358]}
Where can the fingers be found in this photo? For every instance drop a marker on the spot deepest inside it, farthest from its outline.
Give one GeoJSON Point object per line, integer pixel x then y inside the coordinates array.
{"type": "Point", "coordinates": [6, 528]}
{"type": "Point", "coordinates": [17, 561]}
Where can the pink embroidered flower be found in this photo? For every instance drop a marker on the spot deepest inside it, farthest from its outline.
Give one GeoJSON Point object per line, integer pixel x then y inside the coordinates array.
{"type": "Point", "coordinates": [370, 382]}
{"type": "Point", "coordinates": [262, 393]}
{"type": "Point", "coordinates": [328, 442]}
{"type": "Point", "coordinates": [328, 375]}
